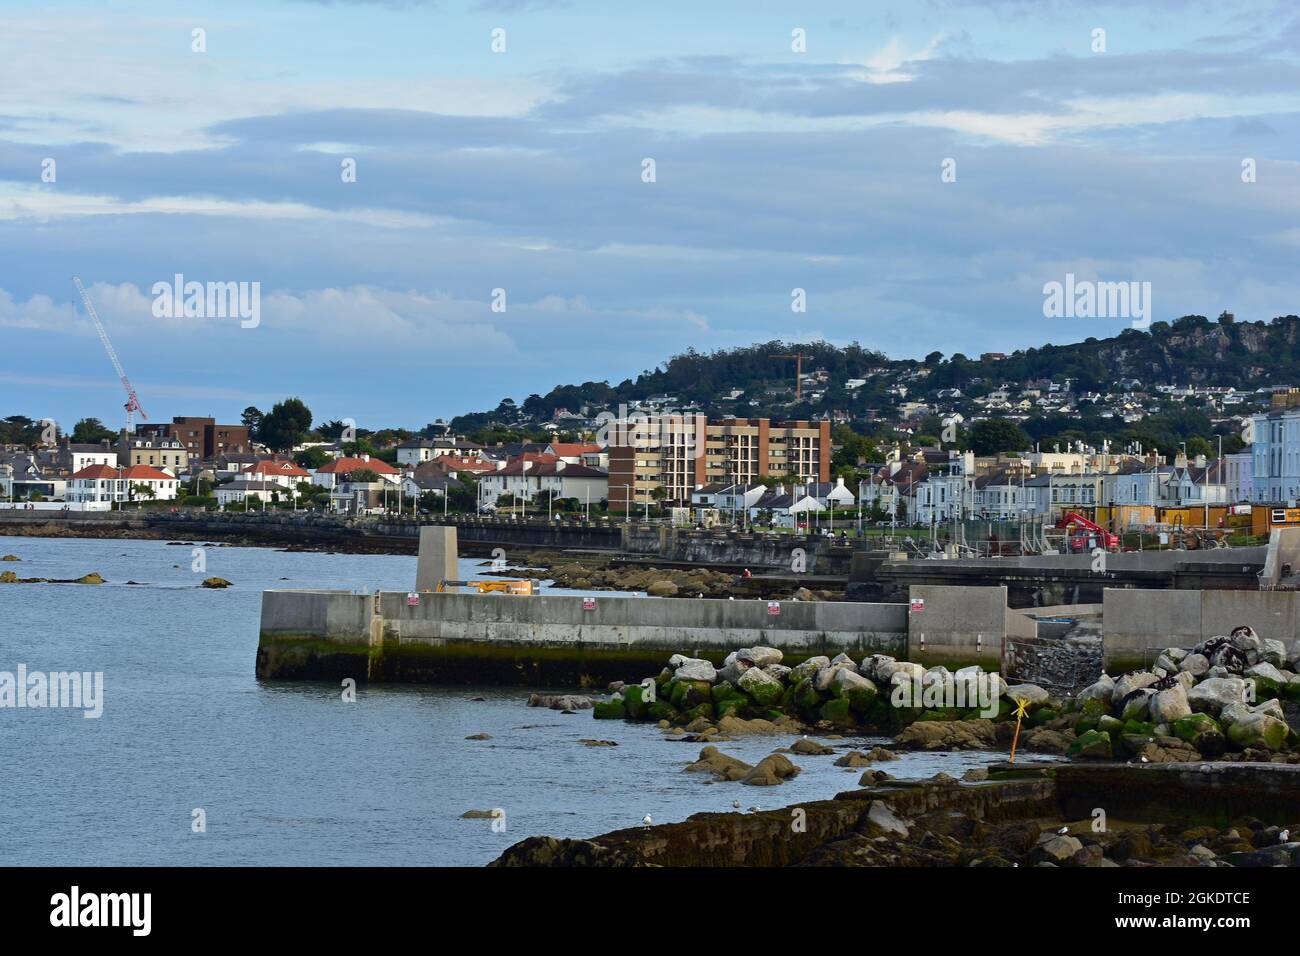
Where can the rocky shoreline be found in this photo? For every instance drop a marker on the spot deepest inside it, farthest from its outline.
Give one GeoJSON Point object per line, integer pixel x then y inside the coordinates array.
{"type": "Point", "coordinates": [1015, 818]}
{"type": "Point", "coordinates": [591, 572]}
{"type": "Point", "coordinates": [1232, 698]}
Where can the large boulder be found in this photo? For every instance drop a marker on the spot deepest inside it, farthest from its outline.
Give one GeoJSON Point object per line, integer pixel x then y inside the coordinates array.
{"type": "Point", "coordinates": [1056, 849]}
{"type": "Point", "coordinates": [1092, 745]}
{"type": "Point", "coordinates": [826, 675]}
{"type": "Point", "coordinates": [886, 671]}
{"type": "Point", "coordinates": [1169, 705]}
{"type": "Point", "coordinates": [731, 671]}
{"type": "Point", "coordinates": [1137, 705]}
{"type": "Point", "coordinates": [771, 770]}
{"type": "Point", "coordinates": [1211, 695]}
{"type": "Point", "coordinates": [858, 690]}
{"type": "Point", "coordinates": [1273, 652]}
{"type": "Point", "coordinates": [759, 656]}
{"type": "Point", "coordinates": [1194, 664]}
{"type": "Point", "coordinates": [1202, 732]}
{"type": "Point", "coordinates": [721, 765]}
{"type": "Point", "coordinates": [869, 668]}
{"type": "Point", "coordinates": [948, 735]}
{"type": "Point", "coordinates": [1102, 690]}
{"type": "Point", "coordinates": [1259, 730]}
{"type": "Point", "coordinates": [777, 671]}
{"type": "Point", "coordinates": [1032, 694]}
{"type": "Point", "coordinates": [761, 687]}
{"type": "Point", "coordinates": [1129, 683]}
{"type": "Point", "coordinates": [808, 668]}
{"type": "Point", "coordinates": [693, 669]}
{"type": "Point", "coordinates": [1269, 681]}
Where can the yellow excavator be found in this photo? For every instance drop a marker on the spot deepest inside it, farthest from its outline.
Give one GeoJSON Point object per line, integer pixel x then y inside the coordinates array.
{"type": "Point", "coordinates": [527, 586]}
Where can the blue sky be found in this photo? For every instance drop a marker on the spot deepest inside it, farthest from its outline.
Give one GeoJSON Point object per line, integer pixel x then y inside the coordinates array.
{"type": "Point", "coordinates": [521, 170]}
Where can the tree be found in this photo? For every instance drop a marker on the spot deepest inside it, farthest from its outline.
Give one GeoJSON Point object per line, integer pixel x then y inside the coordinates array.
{"type": "Point", "coordinates": [850, 448]}
{"type": "Point", "coordinates": [995, 435]}
{"type": "Point", "coordinates": [462, 496]}
{"type": "Point", "coordinates": [333, 430]}
{"type": "Point", "coordinates": [285, 424]}
{"type": "Point", "coordinates": [252, 418]}
{"type": "Point", "coordinates": [310, 458]}
{"type": "Point", "coordinates": [364, 474]}
{"type": "Point", "coordinates": [91, 431]}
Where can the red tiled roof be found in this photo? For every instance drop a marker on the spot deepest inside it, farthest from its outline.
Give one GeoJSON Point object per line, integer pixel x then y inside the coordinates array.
{"type": "Point", "coordinates": [145, 473]}
{"type": "Point", "coordinates": [343, 466]}
{"type": "Point", "coordinates": [97, 471]}
{"type": "Point", "coordinates": [573, 449]}
{"type": "Point", "coordinates": [467, 463]}
{"type": "Point", "coordinates": [277, 468]}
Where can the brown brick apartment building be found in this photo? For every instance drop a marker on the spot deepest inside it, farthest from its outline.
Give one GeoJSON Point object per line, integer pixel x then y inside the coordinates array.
{"type": "Point", "coordinates": [202, 437]}
{"type": "Point", "coordinates": [679, 453]}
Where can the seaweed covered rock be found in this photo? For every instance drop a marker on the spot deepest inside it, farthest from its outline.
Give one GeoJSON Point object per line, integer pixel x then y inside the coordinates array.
{"type": "Point", "coordinates": [1092, 745]}
{"type": "Point", "coordinates": [1201, 731]}
{"type": "Point", "coordinates": [761, 687]}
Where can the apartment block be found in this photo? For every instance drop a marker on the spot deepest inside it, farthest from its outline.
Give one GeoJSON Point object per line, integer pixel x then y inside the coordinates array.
{"type": "Point", "coordinates": [203, 438]}
{"type": "Point", "coordinates": [679, 453]}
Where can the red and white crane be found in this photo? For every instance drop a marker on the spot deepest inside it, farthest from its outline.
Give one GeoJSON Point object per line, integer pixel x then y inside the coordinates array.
{"type": "Point", "coordinates": [132, 403]}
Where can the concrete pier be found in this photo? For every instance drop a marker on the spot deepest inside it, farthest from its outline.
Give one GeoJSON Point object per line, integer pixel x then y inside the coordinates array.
{"type": "Point", "coordinates": [436, 562]}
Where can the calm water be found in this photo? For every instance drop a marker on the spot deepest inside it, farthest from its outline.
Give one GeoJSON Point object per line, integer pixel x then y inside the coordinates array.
{"type": "Point", "coordinates": [287, 773]}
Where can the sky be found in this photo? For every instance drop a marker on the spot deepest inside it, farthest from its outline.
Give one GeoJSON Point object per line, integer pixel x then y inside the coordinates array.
{"type": "Point", "coordinates": [920, 169]}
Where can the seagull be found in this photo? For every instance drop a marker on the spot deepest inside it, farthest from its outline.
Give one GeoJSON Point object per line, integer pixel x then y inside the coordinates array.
{"type": "Point", "coordinates": [735, 804]}
{"type": "Point", "coordinates": [1145, 760]}
{"type": "Point", "coordinates": [1063, 831]}
{"type": "Point", "coordinates": [646, 820]}
{"type": "Point", "coordinates": [1284, 836]}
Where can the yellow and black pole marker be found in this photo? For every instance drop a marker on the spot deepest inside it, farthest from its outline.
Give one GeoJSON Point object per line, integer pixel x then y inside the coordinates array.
{"type": "Point", "coordinates": [1020, 715]}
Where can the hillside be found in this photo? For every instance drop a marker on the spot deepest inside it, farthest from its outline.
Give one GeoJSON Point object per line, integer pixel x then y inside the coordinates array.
{"type": "Point", "coordinates": [1192, 351]}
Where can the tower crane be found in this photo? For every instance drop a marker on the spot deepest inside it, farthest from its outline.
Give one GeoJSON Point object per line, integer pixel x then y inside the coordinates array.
{"type": "Point", "coordinates": [132, 403]}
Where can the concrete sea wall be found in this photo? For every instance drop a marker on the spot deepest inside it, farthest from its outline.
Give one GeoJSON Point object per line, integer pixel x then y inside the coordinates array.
{"type": "Point", "coordinates": [1139, 624]}
{"type": "Point", "coordinates": [548, 640]}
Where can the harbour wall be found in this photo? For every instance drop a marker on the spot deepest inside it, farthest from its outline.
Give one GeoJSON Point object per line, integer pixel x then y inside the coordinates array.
{"type": "Point", "coordinates": [563, 640]}
{"type": "Point", "coordinates": [551, 640]}
{"type": "Point", "coordinates": [1139, 624]}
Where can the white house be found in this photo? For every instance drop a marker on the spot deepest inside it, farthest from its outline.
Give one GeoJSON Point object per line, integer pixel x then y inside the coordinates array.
{"type": "Point", "coordinates": [240, 490]}
{"type": "Point", "coordinates": [116, 484]}
{"type": "Point", "coordinates": [283, 473]}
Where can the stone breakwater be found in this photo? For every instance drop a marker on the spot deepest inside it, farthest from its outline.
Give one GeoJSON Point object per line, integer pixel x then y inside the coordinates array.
{"type": "Point", "coordinates": [1232, 698]}
{"type": "Point", "coordinates": [1212, 815]}
{"type": "Point", "coordinates": [879, 694]}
